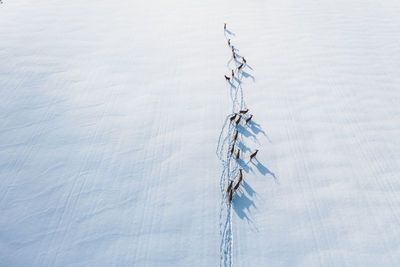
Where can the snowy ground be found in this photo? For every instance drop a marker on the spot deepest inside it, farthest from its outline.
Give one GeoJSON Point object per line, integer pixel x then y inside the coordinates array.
{"type": "Point", "coordinates": [111, 112]}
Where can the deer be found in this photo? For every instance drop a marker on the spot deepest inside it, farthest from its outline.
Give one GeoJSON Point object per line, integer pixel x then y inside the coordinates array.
{"type": "Point", "coordinates": [233, 49]}
{"type": "Point", "coordinates": [240, 67]}
{"type": "Point", "coordinates": [239, 181]}
{"type": "Point", "coordinates": [244, 60]}
{"type": "Point", "coordinates": [238, 153]}
{"type": "Point", "coordinates": [224, 26]}
{"type": "Point", "coordinates": [236, 135]}
{"type": "Point", "coordinates": [238, 121]}
{"type": "Point", "coordinates": [230, 196]}
{"type": "Point", "coordinates": [233, 117]}
{"type": "Point", "coordinates": [253, 155]}
{"type": "Point", "coordinates": [227, 78]}
{"type": "Point", "coordinates": [229, 187]}
{"type": "Point", "coordinates": [232, 149]}
{"type": "Point", "coordinates": [244, 111]}
{"type": "Point", "coordinates": [233, 74]}
{"type": "Point", "coordinates": [249, 119]}
{"type": "Point", "coordinates": [234, 56]}
{"type": "Point", "coordinates": [229, 42]}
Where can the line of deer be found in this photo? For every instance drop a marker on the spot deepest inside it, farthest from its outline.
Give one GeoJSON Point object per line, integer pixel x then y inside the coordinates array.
{"type": "Point", "coordinates": [237, 117]}
{"type": "Point", "coordinates": [233, 49]}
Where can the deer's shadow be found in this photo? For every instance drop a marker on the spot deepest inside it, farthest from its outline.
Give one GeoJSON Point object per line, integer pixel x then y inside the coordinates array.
{"type": "Point", "coordinates": [247, 65]}
{"type": "Point", "coordinates": [243, 131]}
{"type": "Point", "coordinates": [248, 189]}
{"type": "Point", "coordinates": [248, 75]}
{"type": "Point", "coordinates": [242, 205]}
{"type": "Point", "coordinates": [243, 147]}
{"type": "Point", "coordinates": [264, 170]}
{"type": "Point", "coordinates": [238, 80]}
{"type": "Point", "coordinates": [230, 32]}
{"type": "Point", "coordinates": [244, 165]}
{"type": "Point", "coordinates": [232, 85]}
{"type": "Point", "coordinates": [238, 56]}
{"type": "Point", "coordinates": [255, 129]}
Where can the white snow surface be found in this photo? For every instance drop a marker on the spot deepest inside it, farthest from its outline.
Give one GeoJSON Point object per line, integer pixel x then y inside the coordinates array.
{"type": "Point", "coordinates": [111, 112]}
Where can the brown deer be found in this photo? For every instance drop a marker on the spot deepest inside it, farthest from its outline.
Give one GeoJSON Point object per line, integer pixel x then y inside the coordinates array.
{"type": "Point", "coordinates": [249, 119]}
{"type": "Point", "coordinates": [230, 196]}
{"type": "Point", "coordinates": [236, 135]}
{"type": "Point", "coordinates": [238, 121]}
{"type": "Point", "coordinates": [244, 111]}
{"type": "Point", "coordinates": [253, 155]}
{"type": "Point", "coordinates": [229, 42]}
{"type": "Point", "coordinates": [233, 49]}
{"type": "Point", "coordinates": [240, 67]}
{"type": "Point", "coordinates": [244, 60]}
{"type": "Point", "coordinates": [234, 56]}
{"type": "Point", "coordinates": [224, 26]}
{"type": "Point", "coordinates": [233, 74]}
{"type": "Point", "coordinates": [233, 117]}
{"type": "Point", "coordinates": [232, 149]}
{"type": "Point", "coordinates": [229, 187]}
{"type": "Point", "coordinates": [238, 153]}
{"type": "Point", "coordinates": [239, 181]}
{"type": "Point", "coordinates": [227, 78]}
